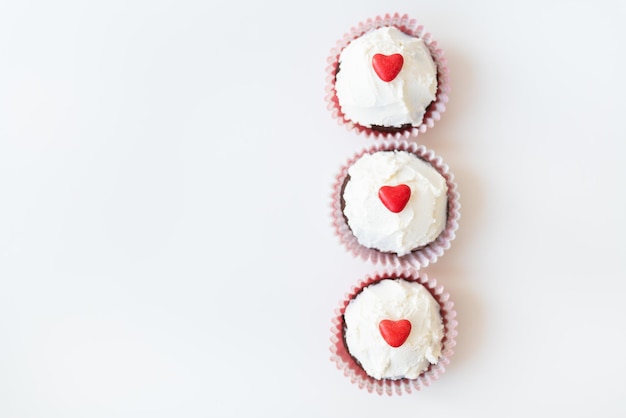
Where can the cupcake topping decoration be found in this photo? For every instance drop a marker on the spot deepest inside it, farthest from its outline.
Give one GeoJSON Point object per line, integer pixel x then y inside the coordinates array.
{"type": "Point", "coordinates": [412, 216]}
{"type": "Point", "coordinates": [409, 319]}
{"type": "Point", "coordinates": [387, 78]}
{"type": "Point", "coordinates": [395, 333]}
{"type": "Point", "coordinates": [387, 67]}
{"type": "Point", "coordinates": [395, 198]}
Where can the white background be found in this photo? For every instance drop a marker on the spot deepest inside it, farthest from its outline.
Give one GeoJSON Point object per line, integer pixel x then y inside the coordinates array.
{"type": "Point", "coordinates": [165, 241]}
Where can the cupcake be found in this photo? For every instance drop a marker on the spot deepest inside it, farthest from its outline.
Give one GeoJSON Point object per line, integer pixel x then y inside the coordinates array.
{"type": "Point", "coordinates": [395, 203]}
{"type": "Point", "coordinates": [387, 78]}
{"type": "Point", "coordinates": [394, 333]}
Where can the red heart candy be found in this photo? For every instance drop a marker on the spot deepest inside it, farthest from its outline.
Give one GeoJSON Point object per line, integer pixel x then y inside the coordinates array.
{"type": "Point", "coordinates": [395, 198]}
{"type": "Point", "coordinates": [387, 67]}
{"type": "Point", "coordinates": [395, 333]}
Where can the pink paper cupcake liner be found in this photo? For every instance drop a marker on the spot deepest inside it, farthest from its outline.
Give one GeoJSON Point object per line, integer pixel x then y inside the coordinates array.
{"type": "Point", "coordinates": [421, 257]}
{"type": "Point", "coordinates": [351, 368]}
{"type": "Point", "coordinates": [410, 27]}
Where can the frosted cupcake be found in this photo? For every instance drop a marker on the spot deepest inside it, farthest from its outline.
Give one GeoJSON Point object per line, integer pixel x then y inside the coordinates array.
{"type": "Point", "coordinates": [395, 203]}
{"type": "Point", "coordinates": [387, 78]}
{"type": "Point", "coordinates": [394, 333]}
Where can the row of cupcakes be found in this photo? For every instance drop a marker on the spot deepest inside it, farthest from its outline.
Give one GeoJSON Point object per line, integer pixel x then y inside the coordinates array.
{"type": "Point", "coordinates": [394, 204]}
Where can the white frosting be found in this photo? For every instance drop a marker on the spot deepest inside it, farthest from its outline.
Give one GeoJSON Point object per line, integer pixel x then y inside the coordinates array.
{"type": "Point", "coordinates": [374, 226]}
{"type": "Point", "coordinates": [366, 99]}
{"type": "Point", "coordinates": [394, 299]}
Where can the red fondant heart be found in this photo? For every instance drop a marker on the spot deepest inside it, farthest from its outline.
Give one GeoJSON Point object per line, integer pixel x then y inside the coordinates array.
{"type": "Point", "coordinates": [387, 67]}
{"type": "Point", "coordinates": [395, 198]}
{"type": "Point", "coordinates": [395, 333]}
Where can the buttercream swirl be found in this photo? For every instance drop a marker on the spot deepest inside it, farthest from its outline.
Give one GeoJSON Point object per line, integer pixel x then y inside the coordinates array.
{"type": "Point", "coordinates": [394, 299]}
{"type": "Point", "coordinates": [374, 225]}
{"type": "Point", "coordinates": [366, 99]}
